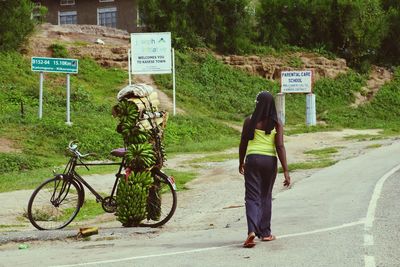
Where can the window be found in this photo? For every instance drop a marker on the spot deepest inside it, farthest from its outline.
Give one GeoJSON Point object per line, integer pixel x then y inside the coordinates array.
{"type": "Point", "coordinates": [36, 11]}
{"type": "Point", "coordinates": [107, 17]}
{"type": "Point", "coordinates": [67, 2]}
{"type": "Point", "coordinates": [67, 17]}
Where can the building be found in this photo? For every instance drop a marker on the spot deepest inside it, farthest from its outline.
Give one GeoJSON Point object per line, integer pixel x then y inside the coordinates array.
{"type": "Point", "coordinates": [120, 14]}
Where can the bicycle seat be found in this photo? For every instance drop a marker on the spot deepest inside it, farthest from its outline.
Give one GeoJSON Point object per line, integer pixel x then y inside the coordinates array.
{"type": "Point", "coordinates": [118, 152]}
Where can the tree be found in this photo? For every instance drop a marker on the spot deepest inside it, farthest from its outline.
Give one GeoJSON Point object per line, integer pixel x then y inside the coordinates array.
{"type": "Point", "coordinates": [361, 27]}
{"type": "Point", "coordinates": [221, 24]}
{"type": "Point", "coordinates": [15, 23]}
{"type": "Point", "coordinates": [352, 28]}
{"type": "Point", "coordinates": [390, 49]}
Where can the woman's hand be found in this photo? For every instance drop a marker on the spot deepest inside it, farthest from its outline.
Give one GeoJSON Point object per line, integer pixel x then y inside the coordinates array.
{"type": "Point", "coordinates": [241, 168]}
{"type": "Point", "coordinates": [286, 182]}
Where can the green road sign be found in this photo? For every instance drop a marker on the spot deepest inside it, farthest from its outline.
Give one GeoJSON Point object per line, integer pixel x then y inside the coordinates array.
{"type": "Point", "coordinates": [60, 65]}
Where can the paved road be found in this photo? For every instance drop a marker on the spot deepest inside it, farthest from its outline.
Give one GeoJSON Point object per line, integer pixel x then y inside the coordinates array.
{"type": "Point", "coordinates": [345, 215]}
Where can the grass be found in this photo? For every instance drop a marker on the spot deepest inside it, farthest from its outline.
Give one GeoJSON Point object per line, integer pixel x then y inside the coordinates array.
{"type": "Point", "coordinates": [364, 137]}
{"type": "Point", "coordinates": [310, 165]}
{"type": "Point", "coordinates": [89, 210]}
{"type": "Point", "coordinates": [374, 146]}
{"type": "Point", "coordinates": [211, 93]}
{"type": "Point", "coordinates": [181, 177]}
{"type": "Point", "coordinates": [323, 152]}
{"type": "Point", "coordinates": [198, 133]}
{"type": "Point", "coordinates": [214, 158]}
{"type": "Point", "coordinates": [3, 226]}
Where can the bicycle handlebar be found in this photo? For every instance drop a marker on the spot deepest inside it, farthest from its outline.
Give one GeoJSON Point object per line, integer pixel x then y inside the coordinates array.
{"type": "Point", "coordinates": [73, 147]}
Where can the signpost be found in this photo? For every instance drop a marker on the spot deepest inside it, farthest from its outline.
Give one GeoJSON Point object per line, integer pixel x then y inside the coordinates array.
{"type": "Point", "coordinates": [151, 53]}
{"type": "Point", "coordinates": [56, 65]}
{"type": "Point", "coordinates": [59, 65]}
{"type": "Point", "coordinates": [297, 82]}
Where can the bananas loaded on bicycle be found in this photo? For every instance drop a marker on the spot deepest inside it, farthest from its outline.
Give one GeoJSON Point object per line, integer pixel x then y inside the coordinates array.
{"type": "Point", "coordinates": [141, 125]}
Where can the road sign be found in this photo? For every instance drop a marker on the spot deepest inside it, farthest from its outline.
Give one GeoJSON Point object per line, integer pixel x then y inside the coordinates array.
{"type": "Point", "coordinates": [59, 65]}
{"type": "Point", "coordinates": [151, 53]}
{"type": "Point", "coordinates": [296, 81]}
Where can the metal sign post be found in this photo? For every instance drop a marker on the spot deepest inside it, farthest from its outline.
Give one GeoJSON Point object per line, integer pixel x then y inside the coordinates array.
{"type": "Point", "coordinates": [56, 65]}
{"type": "Point", "coordinates": [280, 107]}
{"type": "Point", "coordinates": [68, 122]}
{"type": "Point", "coordinates": [129, 67]}
{"type": "Point", "coordinates": [41, 95]}
{"type": "Point", "coordinates": [311, 118]}
{"type": "Point", "coordinates": [173, 82]}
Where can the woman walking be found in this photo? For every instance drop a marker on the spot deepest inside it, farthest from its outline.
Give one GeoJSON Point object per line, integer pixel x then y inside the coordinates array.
{"type": "Point", "coordinates": [261, 141]}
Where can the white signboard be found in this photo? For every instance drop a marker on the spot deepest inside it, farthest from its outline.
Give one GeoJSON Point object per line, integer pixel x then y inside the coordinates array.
{"type": "Point", "coordinates": [296, 81]}
{"type": "Point", "coordinates": [151, 53]}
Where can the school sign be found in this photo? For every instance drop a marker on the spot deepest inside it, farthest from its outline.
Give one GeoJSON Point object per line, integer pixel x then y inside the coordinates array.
{"type": "Point", "coordinates": [296, 81]}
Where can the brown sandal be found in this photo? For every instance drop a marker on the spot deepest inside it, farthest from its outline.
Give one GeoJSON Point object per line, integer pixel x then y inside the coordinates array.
{"type": "Point", "coordinates": [249, 243]}
{"type": "Point", "coordinates": [268, 238]}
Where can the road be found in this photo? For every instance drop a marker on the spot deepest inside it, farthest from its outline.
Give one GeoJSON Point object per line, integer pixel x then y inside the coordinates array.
{"type": "Point", "coordinates": [344, 215]}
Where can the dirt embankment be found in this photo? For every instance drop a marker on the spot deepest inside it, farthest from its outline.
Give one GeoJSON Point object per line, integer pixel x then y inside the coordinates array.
{"type": "Point", "coordinates": [109, 47]}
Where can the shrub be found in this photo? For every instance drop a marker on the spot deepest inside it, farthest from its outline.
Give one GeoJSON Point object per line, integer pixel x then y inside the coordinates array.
{"type": "Point", "coordinates": [15, 23]}
{"type": "Point", "coordinates": [10, 162]}
{"type": "Point", "coordinates": [59, 51]}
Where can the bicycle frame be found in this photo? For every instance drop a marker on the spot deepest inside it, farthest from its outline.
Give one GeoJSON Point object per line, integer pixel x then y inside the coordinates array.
{"type": "Point", "coordinates": [71, 173]}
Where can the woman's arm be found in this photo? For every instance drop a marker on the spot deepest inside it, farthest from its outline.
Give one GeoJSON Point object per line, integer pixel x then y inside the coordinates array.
{"type": "Point", "coordinates": [281, 151]}
{"type": "Point", "coordinates": [243, 147]}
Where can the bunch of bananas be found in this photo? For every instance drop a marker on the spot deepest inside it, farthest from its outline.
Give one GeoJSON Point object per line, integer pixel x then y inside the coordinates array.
{"type": "Point", "coordinates": [140, 156]}
{"type": "Point", "coordinates": [132, 198]}
{"type": "Point", "coordinates": [126, 111]}
{"type": "Point", "coordinates": [139, 197]}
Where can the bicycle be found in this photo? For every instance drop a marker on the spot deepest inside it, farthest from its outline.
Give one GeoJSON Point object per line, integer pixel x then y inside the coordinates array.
{"type": "Point", "coordinates": [55, 203]}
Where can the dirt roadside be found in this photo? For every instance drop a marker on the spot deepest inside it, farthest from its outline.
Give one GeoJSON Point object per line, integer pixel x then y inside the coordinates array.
{"type": "Point", "coordinates": [215, 198]}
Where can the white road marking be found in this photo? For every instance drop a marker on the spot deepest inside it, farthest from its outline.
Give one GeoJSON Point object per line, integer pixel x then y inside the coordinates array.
{"type": "Point", "coordinates": [370, 218]}
{"type": "Point", "coordinates": [211, 248]}
{"type": "Point", "coordinates": [368, 238]}
{"type": "Point", "coordinates": [369, 261]}
{"type": "Point", "coordinates": [325, 229]}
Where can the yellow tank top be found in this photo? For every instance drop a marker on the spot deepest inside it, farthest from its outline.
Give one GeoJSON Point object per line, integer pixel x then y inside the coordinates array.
{"type": "Point", "coordinates": [262, 144]}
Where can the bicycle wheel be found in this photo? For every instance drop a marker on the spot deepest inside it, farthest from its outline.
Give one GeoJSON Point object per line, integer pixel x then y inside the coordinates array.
{"type": "Point", "coordinates": [54, 204]}
{"type": "Point", "coordinates": [163, 201]}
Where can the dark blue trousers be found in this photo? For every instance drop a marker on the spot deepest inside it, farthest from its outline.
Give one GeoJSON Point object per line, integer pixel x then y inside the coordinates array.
{"type": "Point", "coordinates": [259, 174]}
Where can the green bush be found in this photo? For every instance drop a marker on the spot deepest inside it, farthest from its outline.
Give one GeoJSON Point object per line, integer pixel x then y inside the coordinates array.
{"type": "Point", "coordinates": [10, 162]}
{"type": "Point", "coordinates": [15, 23]}
{"type": "Point", "coordinates": [59, 51]}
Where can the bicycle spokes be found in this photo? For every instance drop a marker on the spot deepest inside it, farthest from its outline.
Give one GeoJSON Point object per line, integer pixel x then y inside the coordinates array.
{"type": "Point", "coordinates": [59, 196]}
